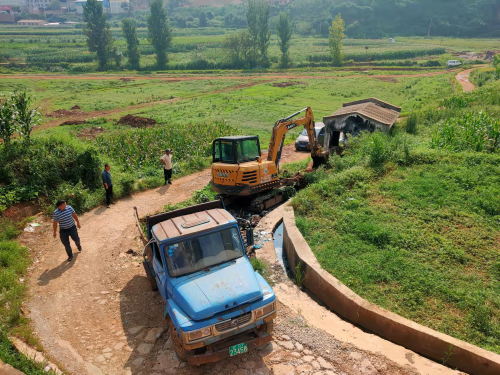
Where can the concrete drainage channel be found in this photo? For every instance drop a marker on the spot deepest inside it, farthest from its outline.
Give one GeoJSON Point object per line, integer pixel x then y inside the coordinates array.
{"type": "Point", "coordinates": [347, 304]}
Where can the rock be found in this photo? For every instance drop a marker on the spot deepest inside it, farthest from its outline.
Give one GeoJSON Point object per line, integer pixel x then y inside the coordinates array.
{"type": "Point", "coordinates": [287, 345]}
{"type": "Point", "coordinates": [144, 348]}
{"type": "Point", "coordinates": [367, 368]}
{"type": "Point", "coordinates": [250, 365]}
{"type": "Point", "coordinates": [308, 358]}
{"type": "Point", "coordinates": [108, 355]}
{"type": "Point", "coordinates": [167, 345]}
{"type": "Point", "coordinates": [296, 354]}
{"type": "Point", "coordinates": [285, 338]}
{"type": "Point", "coordinates": [261, 371]}
{"type": "Point", "coordinates": [119, 346]}
{"type": "Point", "coordinates": [138, 361]}
{"type": "Point", "coordinates": [135, 330]}
{"type": "Point", "coordinates": [283, 370]}
{"type": "Point", "coordinates": [107, 350]}
{"type": "Point", "coordinates": [324, 364]}
{"type": "Point", "coordinates": [105, 292]}
{"type": "Point", "coordinates": [103, 302]}
{"type": "Point", "coordinates": [330, 373]}
{"type": "Point", "coordinates": [240, 372]}
{"type": "Point", "coordinates": [269, 348]}
{"type": "Point", "coordinates": [299, 346]}
{"type": "Point", "coordinates": [307, 352]}
{"type": "Point", "coordinates": [154, 334]}
{"type": "Point", "coordinates": [318, 373]}
{"type": "Point", "coordinates": [304, 368]}
{"type": "Point", "coordinates": [316, 365]}
{"type": "Point", "coordinates": [101, 359]}
{"type": "Point", "coordinates": [230, 367]}
{"type": "Point", "coordinates": [356, 356]}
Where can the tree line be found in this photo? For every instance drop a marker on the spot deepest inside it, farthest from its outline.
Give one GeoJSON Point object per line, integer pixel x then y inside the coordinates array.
{"type": "Point", "coordinates": [100, 39]}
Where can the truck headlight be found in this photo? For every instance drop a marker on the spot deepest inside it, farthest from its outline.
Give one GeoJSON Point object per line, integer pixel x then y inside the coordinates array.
{"type": "Point", "coordinates": [196, 335]}
{"type": "Point", "coordinates": [269, 308]}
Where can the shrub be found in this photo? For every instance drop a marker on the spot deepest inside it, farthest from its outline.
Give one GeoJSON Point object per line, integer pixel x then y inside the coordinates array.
{"type": "Point", "coordinates": [411, 124]}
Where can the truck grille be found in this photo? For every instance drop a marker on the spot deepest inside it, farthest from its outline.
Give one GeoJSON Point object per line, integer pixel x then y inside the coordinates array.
{"type": "Point", "coordinates": [249, 177]}
{"type": "Point", "coordinates": [234, 323]}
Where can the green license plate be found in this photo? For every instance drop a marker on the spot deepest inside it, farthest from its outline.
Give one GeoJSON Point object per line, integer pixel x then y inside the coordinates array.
{"type": "Point", "coordinates": [238, 349]}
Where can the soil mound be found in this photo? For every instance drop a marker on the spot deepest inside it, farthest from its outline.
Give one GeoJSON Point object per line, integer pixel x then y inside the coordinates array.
{"type": "Point", "coordinates": [137, 121]}
{"type": "Point", "coordinates": [75, 107]}
{"type": "Point", "coordinates": [90, 133]}
{"type": "Point", "coordinates": [61, 113]}
{"type": "Point", "coordinates": [287, 84]}
{"type": "Point", "coordinates": [73, 122]}
{"type": "Point", "coordinates": [126, 79]}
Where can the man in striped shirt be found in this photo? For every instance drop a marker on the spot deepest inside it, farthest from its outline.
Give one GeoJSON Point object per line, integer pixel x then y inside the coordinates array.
{"type": "Point", "coordinates": [65, 216]}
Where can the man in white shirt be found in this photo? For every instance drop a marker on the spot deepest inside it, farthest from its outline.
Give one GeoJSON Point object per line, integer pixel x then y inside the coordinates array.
{"type": "Point", "coordinates": [166, 159]}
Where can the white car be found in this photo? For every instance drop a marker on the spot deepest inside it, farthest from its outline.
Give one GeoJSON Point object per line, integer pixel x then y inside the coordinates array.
{"type": "Point", "coordinates": [452, 63]}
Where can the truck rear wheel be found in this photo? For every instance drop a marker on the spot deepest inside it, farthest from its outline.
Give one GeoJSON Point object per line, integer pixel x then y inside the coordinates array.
{"type": "Point", "coordinates": [149, 274]}
{"type": "Point", "coordinates": [177, 341]}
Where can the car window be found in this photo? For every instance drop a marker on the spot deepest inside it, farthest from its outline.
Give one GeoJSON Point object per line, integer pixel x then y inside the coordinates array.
{"type": "Point", "coordinates": [227, 151]}
{"type": "Point", "coordinates": [201, 252]}
{"type": "Point", "coordinates": [303, 132]}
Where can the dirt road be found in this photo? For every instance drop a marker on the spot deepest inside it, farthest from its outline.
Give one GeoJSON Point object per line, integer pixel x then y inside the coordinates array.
{"type": "Point", "coordinates": [97, 315]}
{"type": "Point", "coordinates": [463, 79]}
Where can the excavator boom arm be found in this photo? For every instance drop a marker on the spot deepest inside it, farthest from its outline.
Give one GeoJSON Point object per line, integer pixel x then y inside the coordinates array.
{"type": "Point", "coordinates": [282, 126]}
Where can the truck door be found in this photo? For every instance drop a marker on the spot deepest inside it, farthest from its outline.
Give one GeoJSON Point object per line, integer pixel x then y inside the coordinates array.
{"type": "Point", "coordinates": [160, 276]}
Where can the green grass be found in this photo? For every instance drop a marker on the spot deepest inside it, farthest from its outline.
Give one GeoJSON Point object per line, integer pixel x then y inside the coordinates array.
{"type": "Point", "coordinates": [414, 227]}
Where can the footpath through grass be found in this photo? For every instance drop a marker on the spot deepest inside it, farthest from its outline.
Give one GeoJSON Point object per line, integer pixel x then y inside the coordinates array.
{"type": "Point", "coordinates": [412, 222]}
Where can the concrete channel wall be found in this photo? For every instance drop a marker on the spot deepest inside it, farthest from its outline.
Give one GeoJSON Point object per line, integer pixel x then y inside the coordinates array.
{"type": "Point", "coordinates": [343, 301]}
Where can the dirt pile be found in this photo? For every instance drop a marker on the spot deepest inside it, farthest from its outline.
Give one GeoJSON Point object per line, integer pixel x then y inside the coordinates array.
{"type": "Point", "coordinates": [73, 122]}
{"type": "Point", "coordinates": [137, 121]}
{"type": "Point", "coordinates": [75, 107]}
{"type": "Point", "coordinates": [287, 84]}
{"type": "Point", "coordinates": [65, 112]}
{"type": "Point", "coordinates": [90, 133]}
{"type": "Point", "coordinates": [126, 79]}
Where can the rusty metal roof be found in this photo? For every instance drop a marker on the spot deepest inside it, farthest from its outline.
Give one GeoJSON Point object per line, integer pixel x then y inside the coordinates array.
{"type": "Point", "coordinates": [193, 223]}
{"type": "Point", "coordinates": [371, 108]}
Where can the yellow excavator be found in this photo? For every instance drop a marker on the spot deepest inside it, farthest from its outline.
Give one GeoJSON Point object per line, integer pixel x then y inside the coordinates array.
{"type": "Point", "coordinates": [238, 169]}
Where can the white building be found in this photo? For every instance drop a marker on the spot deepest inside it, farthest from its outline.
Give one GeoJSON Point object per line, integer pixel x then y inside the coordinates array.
{"type": "Point", "coordinates": [33, 6]}
{"type": "Point", "coordinates": [14, 3]}
{"type": "Point", "coordinates": [118, 6]}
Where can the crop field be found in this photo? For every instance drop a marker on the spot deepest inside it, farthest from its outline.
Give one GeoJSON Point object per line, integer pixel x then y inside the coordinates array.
{"type": "Point", "coordinates": [65, 49]}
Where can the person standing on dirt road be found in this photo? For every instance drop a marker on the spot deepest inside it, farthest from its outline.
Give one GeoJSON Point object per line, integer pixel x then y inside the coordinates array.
{"type": "Point", "coordinates": [65, 216]}
{"type": "Point", "coordinates": [166, 159]}
{"type": "Point", "coordinates": [108, 184]}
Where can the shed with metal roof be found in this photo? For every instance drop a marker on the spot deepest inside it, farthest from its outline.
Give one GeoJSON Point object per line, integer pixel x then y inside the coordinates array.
{"type": "Point", "coordinates": [354, 117]}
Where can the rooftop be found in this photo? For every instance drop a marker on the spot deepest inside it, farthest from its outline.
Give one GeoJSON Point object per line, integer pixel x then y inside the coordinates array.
{"type": "Point", "coordinates": [192, 223]}
{"type": "Point", "coordinates": [372, 108]}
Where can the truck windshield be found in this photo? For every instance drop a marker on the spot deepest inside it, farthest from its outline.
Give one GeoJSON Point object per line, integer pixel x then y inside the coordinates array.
{"type": "Point", "coordinates": [248, 149]}
{"type": "Point", "coordinates": [198, 253]}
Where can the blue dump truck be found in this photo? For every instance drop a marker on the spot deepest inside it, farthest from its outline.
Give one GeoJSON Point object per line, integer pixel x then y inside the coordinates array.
{"type": "Point", "coordinates": [216, 305]}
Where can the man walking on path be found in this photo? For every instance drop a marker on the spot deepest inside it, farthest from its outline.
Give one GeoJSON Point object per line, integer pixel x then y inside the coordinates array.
{"type": "Point", "coordinates": [108, 185]}
{"type": "Point", "coordinates": [65, 216]}
{"type": "Point", "coordinates": [166, 159]}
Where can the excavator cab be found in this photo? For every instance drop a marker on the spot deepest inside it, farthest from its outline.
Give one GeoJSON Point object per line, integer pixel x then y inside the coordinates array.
{"type": "Point", "coordinates": [235, 150]}
{"type": "Point", "coordinates": [238, 169]}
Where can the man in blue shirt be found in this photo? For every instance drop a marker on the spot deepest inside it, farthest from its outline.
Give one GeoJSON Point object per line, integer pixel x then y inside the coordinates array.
{"type": "Point", "coordinates": [108, 184]}
{"type": "Point", "coordinates": [65, 216]}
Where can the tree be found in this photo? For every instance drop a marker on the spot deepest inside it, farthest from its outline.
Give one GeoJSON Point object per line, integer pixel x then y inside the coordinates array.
{"type": "Point", "coordinates": [130, 34]}
{"type": "Point", "coordinates": [284, 31]}
{"type": "Point", "coordinates": [335, 40]}
{"type": "Point", "coordinates": [258, 26]}
{"type": "Point", "coordinates": [159, 33]}
{"type": "Point", "coordinates": [99, 37]}
{"type": "Point", "coordinates": [240, 50]}
{"type": "Point", "coordinates": [202, 19]}
{"type": "Point", "coordinates": [26, 118]}
{"type": "Point", "coordinates": [7, 121]}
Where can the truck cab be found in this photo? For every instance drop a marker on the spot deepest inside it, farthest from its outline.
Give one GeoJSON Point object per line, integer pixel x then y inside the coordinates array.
{"type": "Point", "coordinates": [216, 305]}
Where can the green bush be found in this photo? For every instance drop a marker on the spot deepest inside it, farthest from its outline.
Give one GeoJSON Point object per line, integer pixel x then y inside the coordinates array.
{"type": "Point", "coordinates": [411, 124]}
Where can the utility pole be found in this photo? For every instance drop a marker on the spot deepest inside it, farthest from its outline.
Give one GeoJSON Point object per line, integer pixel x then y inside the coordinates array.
{"type": "Point", "coordinates": [429, 31]}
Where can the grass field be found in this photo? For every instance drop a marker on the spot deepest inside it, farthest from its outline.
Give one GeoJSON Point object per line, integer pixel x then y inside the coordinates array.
{"type": "Point", "coordinates": [412, 222]}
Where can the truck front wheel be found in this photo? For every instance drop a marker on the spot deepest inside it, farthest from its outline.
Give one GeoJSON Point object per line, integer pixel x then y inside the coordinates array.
{"type": "Point", "coordinates": [177, 341]}
{"type": "Point", "coordinates": [268, 327]}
